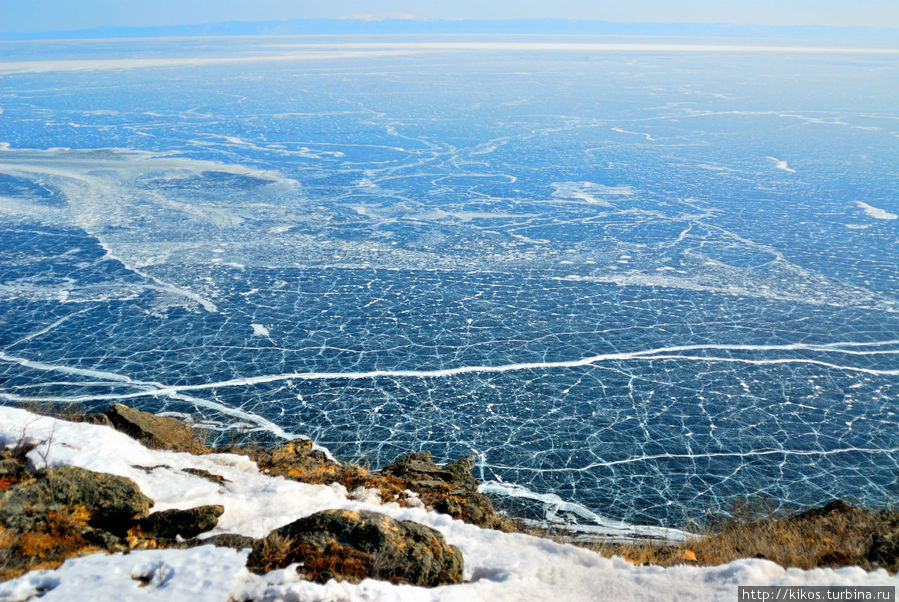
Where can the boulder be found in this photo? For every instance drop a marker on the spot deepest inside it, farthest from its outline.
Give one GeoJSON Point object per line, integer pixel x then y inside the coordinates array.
{"type": "Point", "coordinates": [169, 524]}
{"type": "Point", "coordinates": [62, 513]}
{"type": "Point", "coordinates": [107, 501]}
{"type": "Point", "coordinates": [298, 460]}
{"type": "Point", "coordinates": [449, 488]}
{"type": "Point", "coordinates": [352, 545]}
{"type": "Point", "coordinates": [418, 469]}
{"type": "Point", "coordinates": [157, 432]}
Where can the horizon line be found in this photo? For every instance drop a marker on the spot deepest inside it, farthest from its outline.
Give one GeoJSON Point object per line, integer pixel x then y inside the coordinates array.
{"type": "Point", "coordinates": [353, 24]}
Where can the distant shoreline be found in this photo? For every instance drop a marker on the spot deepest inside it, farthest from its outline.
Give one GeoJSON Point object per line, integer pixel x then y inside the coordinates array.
{"type": "Point", "coordinates": [868, 35]}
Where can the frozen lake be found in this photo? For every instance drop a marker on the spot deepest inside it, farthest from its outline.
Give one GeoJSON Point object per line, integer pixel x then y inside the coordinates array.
{"type": "Point", "coordinates": [638, 279]}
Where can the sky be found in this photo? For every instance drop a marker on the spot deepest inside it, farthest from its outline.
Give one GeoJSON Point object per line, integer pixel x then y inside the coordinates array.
{"type": "Point", "coordinates": [61, 15]}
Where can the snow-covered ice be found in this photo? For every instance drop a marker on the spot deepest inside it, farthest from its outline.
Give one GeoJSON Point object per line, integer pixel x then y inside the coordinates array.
{"type": "Point", "coordinates": [781, 165]}
{"type": "Point", "coordinates": [876, 212]}
{"type": "Point", "coordinates": [259, 330]}
{"type": "Point", "coordinates": [498, 566]}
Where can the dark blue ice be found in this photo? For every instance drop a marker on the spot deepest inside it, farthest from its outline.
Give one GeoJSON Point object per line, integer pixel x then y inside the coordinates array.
{"type": "Point", "coordinates": [650, 284]}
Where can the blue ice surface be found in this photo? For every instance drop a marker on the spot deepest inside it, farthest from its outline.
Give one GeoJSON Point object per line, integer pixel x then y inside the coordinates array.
{"type": "Point", "coordinates": [648, 283]}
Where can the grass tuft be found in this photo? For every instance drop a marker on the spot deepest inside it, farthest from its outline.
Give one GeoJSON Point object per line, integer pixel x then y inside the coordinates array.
{"type": "Point", "coordinates": [833, 536]}
{"type": "Point", "coordinates": [270, 554]}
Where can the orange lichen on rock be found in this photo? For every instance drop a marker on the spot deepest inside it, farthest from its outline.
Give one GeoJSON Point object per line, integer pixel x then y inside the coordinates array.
{"type": "Point", "coordinates": [353, 545]}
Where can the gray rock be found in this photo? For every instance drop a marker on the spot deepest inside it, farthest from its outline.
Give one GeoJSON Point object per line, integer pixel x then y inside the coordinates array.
{"type": "Point", "coordinates": [296, 459]}
{"type": "Point", "coordinates": [449, 488]}
{"type": "Point", "coordinates": [97, 418]}
{"type": "Point", "coordinates": [169, 524]}
{"type": "Point", "coordinates": [224, 540]}
{"type": "Point", "coordinates": [112, 503]}
{"type": "Point", "coordinates": [419, 468]}
{"type": "Point", "coordinates": [157, 432]}
{"type": "Point", "coordinates": [205, 474]}
{"type": "Point", "coordinates": [353, 545]}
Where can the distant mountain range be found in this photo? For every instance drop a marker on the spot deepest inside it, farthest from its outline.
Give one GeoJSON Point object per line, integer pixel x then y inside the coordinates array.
{"type": "Point", "coordinates": [878, 36]}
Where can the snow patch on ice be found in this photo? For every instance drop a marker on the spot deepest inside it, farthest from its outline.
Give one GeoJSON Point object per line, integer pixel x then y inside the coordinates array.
{"type": "Point", "coordinates": [648, 137]}
{"type": "Point", "coordinates": [876, 212]}
{"type": "Point", "coordinates": [260, 331]}
{"type": "Point", "coordinates": [591, 192]}
{"type": "Point", "coordinates": [781, 165]}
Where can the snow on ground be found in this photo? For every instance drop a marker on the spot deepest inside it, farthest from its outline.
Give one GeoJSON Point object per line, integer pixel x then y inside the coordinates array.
{"type": "Point", "coordinates": [498, 566]}
{"type": "Point", "coordinates": [202, 574]}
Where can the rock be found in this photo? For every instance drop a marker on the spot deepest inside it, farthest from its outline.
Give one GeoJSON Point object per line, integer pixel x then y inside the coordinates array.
{"type": "Point", "coordinates": [109, 502]}
{"type": "Point", "coordinates": [419, 469]}
{"type": "Point", "coordinates": [298, 460]}
{"type": "Point", "coordinates": [157, 432]}
{"type": "Point", "coordinates": [298, 450]}
{"type": "Point", "coordinates": [205, 474]}
{"type": "Point", "coordinates": [224, 540]}
{"type": "Point", "coordinates": [97, 418]}
{"type": "Point", "coordinates": [62, 513]}
{"type": "Point", "coordinates": [12, 470]}
{"type": "Point", "coordinates": [169, 524]}
{"type": "Point", "coordinates": [830, 509]}
{"type": "Point", "coordinates": [353, 545]}
{"type": "Point", "coordinates": [100, 539]}
{"type": "Point", "coordinates": [884, 551]}
{"type": "Point", "coordinates": [449, 489]}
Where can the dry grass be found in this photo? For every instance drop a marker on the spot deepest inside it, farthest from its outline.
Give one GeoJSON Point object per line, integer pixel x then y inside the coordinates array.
{"type": "Point", "coordinates": [64, 411]}
{"type": "Point", "coordinates": [270, 553]}
{"type": "Point", "coordinates": [391, 488]}
{"type": "Point", "coordinates": [46, 546]}
{"type": "Point", "coordinates": [333, 560]}
{"type": "Point", "coordinates": [834, 536]}
{"type": "Point", "coordinates": [306, 467]}
{"type": "Point", "coordinates": [8, 482]}
{"type": "Point", "coordinates": [319, 561]}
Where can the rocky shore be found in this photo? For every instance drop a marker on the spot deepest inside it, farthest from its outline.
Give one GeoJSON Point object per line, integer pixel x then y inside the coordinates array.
{"type": "Point", "coordinates": [51, 514]}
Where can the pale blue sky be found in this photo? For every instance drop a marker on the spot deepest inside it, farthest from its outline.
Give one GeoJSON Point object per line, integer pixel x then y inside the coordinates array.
{"type": "Point", "coordinates": [51, 15]}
